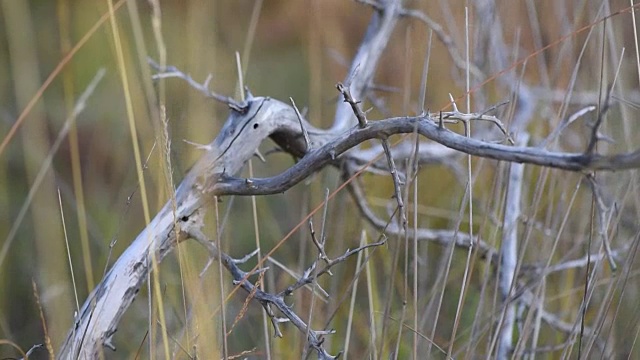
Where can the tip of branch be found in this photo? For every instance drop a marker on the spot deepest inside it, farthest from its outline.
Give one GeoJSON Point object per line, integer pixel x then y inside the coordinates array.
{"type": "Point", "coordinates": [198, 146]}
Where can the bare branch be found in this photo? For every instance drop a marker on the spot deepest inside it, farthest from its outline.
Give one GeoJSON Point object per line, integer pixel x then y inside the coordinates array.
{"type": "Point", "coordinates": [426, 126]}
{"type": "Point", "coordinates": [595, 127]}
{"type": "Point", "coordinates": [238, 140]}
{"type": "Point", "coordinates": [396, 183]}
{"type": "Point", "coordinates": [168, 72]}
{"type": "Point", "coordinates": [442, 237]}
{"type": "Point", "coordinates": [240, 278]}
{"type": "Point", "coordinates": [258, 118]}
{"type": "Point", "coordinates": [544, 270]}
{"type": "Point", "coordinates": [448, 116]}
{"type": "Point", "coordinates": [362, 119]}
{"type": "Point", "coordinates": [509, 257]}
{"type": "Point", "coordinates": [319, 245]}
{"type": "Point", "coordinates": [365, 62]}
{"type": "Point", "coordinates": [304, 130]}
{"type": "Point", "coordinates": [447, 41]}
{"type": "Point", "coordinates": [566, 122]}
{"type": "Point", "coordinates": [309, 276]}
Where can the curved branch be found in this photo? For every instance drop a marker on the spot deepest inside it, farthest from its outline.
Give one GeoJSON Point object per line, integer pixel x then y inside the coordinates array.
{"type": "Point", "coordinates": [245, 129]}
{"type": "Point", "coordinates": [365, 62]}
{"type": "Point", "coordinates": [442, 237]}
{"type": "Point", "coordinates": [427, 127]}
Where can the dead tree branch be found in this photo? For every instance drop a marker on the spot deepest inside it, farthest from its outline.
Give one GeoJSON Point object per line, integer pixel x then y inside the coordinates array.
{"type": "Point", "coordinates": [248, 125]}
{"type": "Point", "coordinates": [240, 278]}
{"type": "Point", "coordinates": [243, 132]}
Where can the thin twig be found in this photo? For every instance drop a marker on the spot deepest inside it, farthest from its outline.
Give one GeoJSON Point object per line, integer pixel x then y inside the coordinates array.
{"type": "Point", "coordinates": [192, 228]}
{"type": "Point", "coordinates": [309, 275]}
{"type": "Point", "coordinates": [323, 292]}
{"type": "Point", "coordinates": [396, 183]}
{"type": "Point", "coordinates": [362, 119]}
{"type": "Point", "coordinates": [442, 237]}
{"type": "Point", "coordinates": [455, 116]}
{"type": "Point", "coordinates": [566, 122]}
{"type": "Point", "coordinates": [596, 136]}
{"type": "Point", "coordinates": [304, 130]}
{"type": "Point", "coordinates": [602, 220]}
{"type": "Point", "coordinates": [446, 40]}
{"type": "Point", "coordinates": [509, 257]}
{"type": "Point", "coordinates": [319, 245]}
{"type": "Point", "coordinates": [173, 72]}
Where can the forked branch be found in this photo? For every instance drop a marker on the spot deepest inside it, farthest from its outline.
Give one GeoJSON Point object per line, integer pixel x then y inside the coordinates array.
{"type": "Point", "coordinates": [248, 125]}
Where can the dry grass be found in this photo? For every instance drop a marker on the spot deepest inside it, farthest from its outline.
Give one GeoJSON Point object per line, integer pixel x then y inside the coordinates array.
{"type": "Point", "coordinates": [125, 154]}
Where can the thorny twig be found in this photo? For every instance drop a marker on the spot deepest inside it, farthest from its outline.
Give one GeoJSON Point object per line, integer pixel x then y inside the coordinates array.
{"type": "Point", "coordinates": [362, 119]}
{"type": "Point", "coordinates": [173, 72]}
{"type": "Point", "coordinates": [320, 246]}
{"type": "Point", "coordinates": [313, 161]}
{"type": "Point", "coordinates": [595, 127]}
{"type": "Point", "coordinates": [531, 155]}
{"type": "Point", "coordinates": [309, 275]}
{"type": "Point", "coordinates": [293, 274]}
{"type": "Point", "coordinates": [396, 182]}
{"type": "Point", "coordinates": [240, 277]}
{"type": "Point", "coordinates": [455, 116]}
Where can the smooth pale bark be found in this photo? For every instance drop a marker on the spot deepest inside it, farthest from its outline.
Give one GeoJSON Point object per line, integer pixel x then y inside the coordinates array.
{"type": "Point", "coordinates": [236, 143]}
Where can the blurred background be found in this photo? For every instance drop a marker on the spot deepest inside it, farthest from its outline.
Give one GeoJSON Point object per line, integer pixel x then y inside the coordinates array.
{"type": "Point", "coordinates": [301, 49]}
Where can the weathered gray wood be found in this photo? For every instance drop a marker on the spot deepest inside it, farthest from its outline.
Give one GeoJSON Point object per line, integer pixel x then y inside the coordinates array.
{"type": "Point", "coordinates": [365, 62]}
{"type": "Point", "coordinates": [244, 131]}
{"type": "Point", "coordinates": [213, 174]}
{"type": "Point", "coordinates": [236, 143]}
